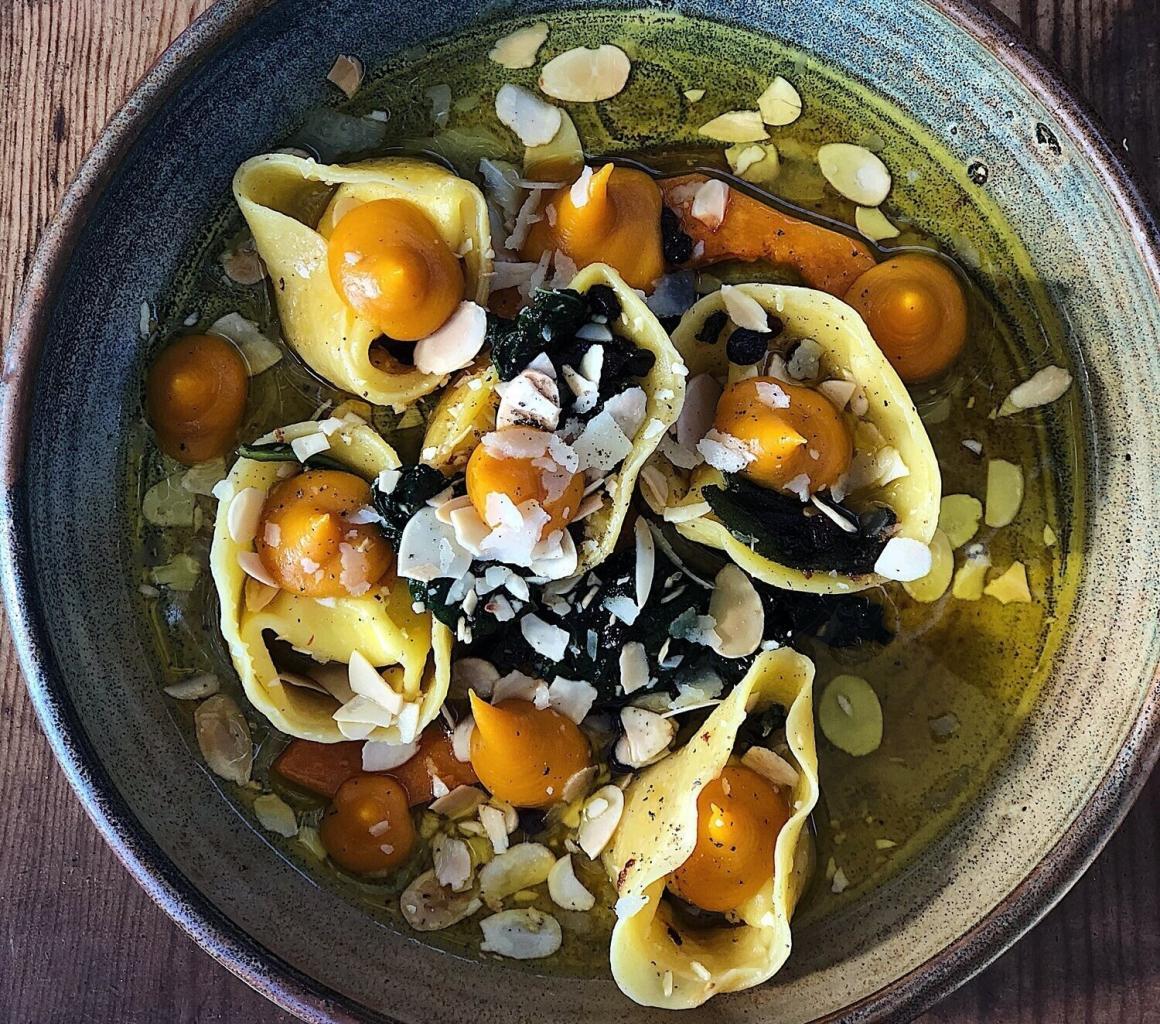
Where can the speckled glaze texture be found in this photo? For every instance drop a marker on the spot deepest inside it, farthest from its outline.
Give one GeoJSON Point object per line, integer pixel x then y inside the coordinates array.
{"type": "Point", "coordinates": [229, 89]}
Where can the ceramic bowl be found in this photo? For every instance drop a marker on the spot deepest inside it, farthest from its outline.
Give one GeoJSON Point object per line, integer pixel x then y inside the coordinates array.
{"type": "Point", "coordinates": [1072, 219]}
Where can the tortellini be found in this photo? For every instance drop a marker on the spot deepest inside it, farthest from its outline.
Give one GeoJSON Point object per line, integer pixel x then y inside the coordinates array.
{"type": "Point", "coordinates": [893, 462]}
{"type": "Point", "coordinates": [658, 959]}
{"type": "Point", "coordinates": [467, 411]}
{"type": "Point", "coordinates": [294, 205]}
{"type": "Point", "coordinates": [412, 649]}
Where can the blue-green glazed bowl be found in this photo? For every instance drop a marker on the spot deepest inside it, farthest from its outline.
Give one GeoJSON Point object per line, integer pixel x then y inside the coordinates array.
{"type": "Point", "coordinates": [1058, 232]}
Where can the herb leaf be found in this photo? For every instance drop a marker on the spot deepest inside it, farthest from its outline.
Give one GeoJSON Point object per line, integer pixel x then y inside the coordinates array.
{"type": "Point", "coordinates": [551, 317]}
{"type": "Point", "coordinates": [279, 451]}
{"type": "Point", "coordinates": [781, 528]}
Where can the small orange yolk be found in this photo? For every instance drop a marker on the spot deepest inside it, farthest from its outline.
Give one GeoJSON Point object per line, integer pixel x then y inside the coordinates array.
{"type": "Point", "coordinates": [196, 397]}
{"type": "Point", "coordinates": [916, 310]}
{"type": "Point", "coordinates": [367, 829]}
{"type": "Point", "coordinates": [308, 546]}
{"type": "Point", "coordinates": [491, 470]}
{"type": "Point", "coordinates": [524, 754]}
{"type": "Point", "coordinates": [808, 436]}
{"type": "Point", "coordinates": [388, 261]}
{"type": "Point", "coordinates": [739, 816]}
{"type": "Point", "coordinates": [616, 221]}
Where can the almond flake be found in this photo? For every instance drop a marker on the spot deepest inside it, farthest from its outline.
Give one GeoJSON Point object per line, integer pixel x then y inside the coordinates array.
{"type": "Point", "coordinates": [744, 310]}
{"type": "Point", "coordinates": [780, 104]}
{"type": "Point", "coordinates": [737, 609]}
{"type": "Point", "coordinates": [525, 934]}
{"type": "Point", "coordinates": [735, 126]}
{"type": "Point", "coordinates": [454, 345]}
{"type": "Point", "coordinates": [519, 49]}
{"type": "Point", "coordinates": [771, 765]}
{"type": "Point", "coordinates": [581, 75]}
{"type": "Point", "coordinates": [534, 121]}
{"type": "Point", "coordinates": [1046, 386]}
{"type": "Point", "coordinates": [566, 889]}
{"type": "Point", "coordinates": [710, 203]}
{"type": "Point", "coordinates": [545, 639]}
{"type": "Point", "coordinates": [904, 559]}
{"type": "Point", "coordinates": [871, 222]}
{"type": "Point", "coordinates": [634, 669]}
{"type": "Point", "coordinates": [646, 738]}
{"type": "Point", "coordinates": [378, 756]}
{"type": "Point", "coordinates": [855, 173]}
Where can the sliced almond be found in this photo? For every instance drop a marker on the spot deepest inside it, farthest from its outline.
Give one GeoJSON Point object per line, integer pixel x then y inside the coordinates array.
{"type": "Point", "coordinates": [1046, 386]}
{"type": "Point", "coordinates": [224, 738]}
{"type": "Point", "coordinates": [871, 222]}
{"type": "Point", "coordinates": [780, 104]}
{"type": "Point", "coordinates": [740, 617]}
{"type": "Point", "coordinates": [525, 934]}
{"type": "Point", "coordinates": [566, 889]}
{"type": "Point", "coordinates": [428, 906]}
{"type": "Point", "coordinates": [520, 867]}
{"type": "Point", "coordinates": [275, 815]}
{"type": "Point", "coordinates": [243, 514]}
{"type": "Point", "coordinates": [771, 765]}
{"type": "Point", "coordinates": [195, 687]}
{"type": "Point", "coordinates": [694, 95]}
{"type": "Point", "coordinates": [455, 344]}
{"type": "Point", "coordinates": [855, 173]}
{"type": "Point", "coordinates": [710, 203]}
{"type": "Point", "coordinates": [519, 49]}
{"type": "Point", "coordinates": [934, 584]}
{"type": "Point", "coordinates": [534, 121]}
{"type": "Point", "coordinates": [598, 820]}
{"type": "Point", "coordinates": [1011, 586]}
{"type": "Point", "coordinates": [1004, 492]}
{"type": "Point", "coordinates": [581, 75]}
{"type": "Point", "coordinates": [735, 126]}
{"type": "Point", "coordinates": [903, 559]}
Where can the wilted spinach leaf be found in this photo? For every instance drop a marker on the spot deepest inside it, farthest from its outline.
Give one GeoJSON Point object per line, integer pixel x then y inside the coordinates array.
{"type": "Point", "coordinates": [416, 484]}
{"type": "Point", "coordinates": [782, 528]}
{"type": "Point", "coordinates": [276, 451]}
{"type": "Point", "coordinates": [551, 317]}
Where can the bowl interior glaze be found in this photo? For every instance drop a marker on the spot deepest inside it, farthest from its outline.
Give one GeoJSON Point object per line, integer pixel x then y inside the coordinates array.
{"type": "Point", "coordinates": [1076, 245]}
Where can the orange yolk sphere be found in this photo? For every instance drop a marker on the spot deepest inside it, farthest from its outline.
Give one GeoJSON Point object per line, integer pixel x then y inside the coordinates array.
{"type": "Point", "coordinates": [306, 543]}
{"type": "Point", "coordinates": [916, 310]}
{"type": "Point", "coordinates": [196, 397]}
{"type": "Point", "coordinates": [739, 816]}
{"type": "Point", "coordinates": [388, 261]}
{"type": "Point", "coordinates": [524, 754]}
{"type": "Point", "coordinates": [808, 436]}
{"type": "Point", "coordinates": [491, 470]}
{"type": "Point", "coordinates": [367, 829]}
{"type": "Point", "coordinates": [616, 221]}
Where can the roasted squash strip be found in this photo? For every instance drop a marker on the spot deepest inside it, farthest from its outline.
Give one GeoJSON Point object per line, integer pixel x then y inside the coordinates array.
{"type": "Point", "coordinates": [751, 230]}
{"type": "Point", "coordinates": [323, 767]}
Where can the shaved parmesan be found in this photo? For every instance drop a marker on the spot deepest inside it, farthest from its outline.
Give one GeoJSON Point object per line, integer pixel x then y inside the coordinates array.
{"type": "Point", "coordinates": [544, 638]}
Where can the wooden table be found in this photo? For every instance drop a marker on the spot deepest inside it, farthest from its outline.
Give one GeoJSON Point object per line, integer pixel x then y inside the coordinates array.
{"type": "Point", "coordinates": [80, 942]}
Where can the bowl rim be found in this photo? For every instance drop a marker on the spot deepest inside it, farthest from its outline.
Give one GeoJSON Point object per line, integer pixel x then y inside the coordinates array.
{"type": "Point", "coordinates": [265, 971]}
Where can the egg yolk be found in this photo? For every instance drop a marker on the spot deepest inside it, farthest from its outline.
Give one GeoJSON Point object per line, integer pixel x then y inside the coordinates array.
{"type": "Point", "coordinates": [916, 310]}
{"type": "Point", "coordinates": [196, 397]}
{"type": "Point", "coordinates": [388, 261]}
{"type": "Point", "coordinates": [306, 542]}
{"type": "Point", "coordinates": [808, 436]}
{"type": "Point", "coordinates": [739, 816]}
{"type": "Point", "coordinates": [524, 754]}
{"type": "Point", "coordinates": [367, 829]}
{"type": "Point", "coordinates": [616, 220]}
{"type": "Point", "coordinates": [491, 470]}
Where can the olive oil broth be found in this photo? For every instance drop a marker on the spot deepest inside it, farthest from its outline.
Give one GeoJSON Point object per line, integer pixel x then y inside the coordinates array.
{"type": "Point", "coordinates": [959, 675]}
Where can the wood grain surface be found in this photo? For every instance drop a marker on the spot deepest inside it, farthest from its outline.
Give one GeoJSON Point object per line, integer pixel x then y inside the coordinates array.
{"type": "Point", "coordinates": [79, 942]}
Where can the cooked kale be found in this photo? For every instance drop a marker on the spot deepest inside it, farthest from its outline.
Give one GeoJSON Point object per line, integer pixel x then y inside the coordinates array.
{"type": "Point", "coordinates": [549, 325]}
{"type": "Point", "coordinates": [281, 452]}
{"type": "Point", "coordinates": [676, 245]}
{"type": "Point", "coordinates": [602, 301]}
{"type": "Point", "coordinates": [551, 317]}
{"type": "Point", "coordinates": [415, 485]}
{"type": "Point", "coordinates": [782, 528]}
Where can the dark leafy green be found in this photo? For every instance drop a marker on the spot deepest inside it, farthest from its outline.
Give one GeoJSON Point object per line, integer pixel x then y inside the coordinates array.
{"type": "Point", "coordinates": [551, 317]}
{"type": "Point", "coordinates": [276, 451]}
{"type": "Point", "coordinates": [782, 528]}
{"type": "Point", "coordinates": [549, 325]}
{"type": "Point", "coordinates": [416, 484]}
